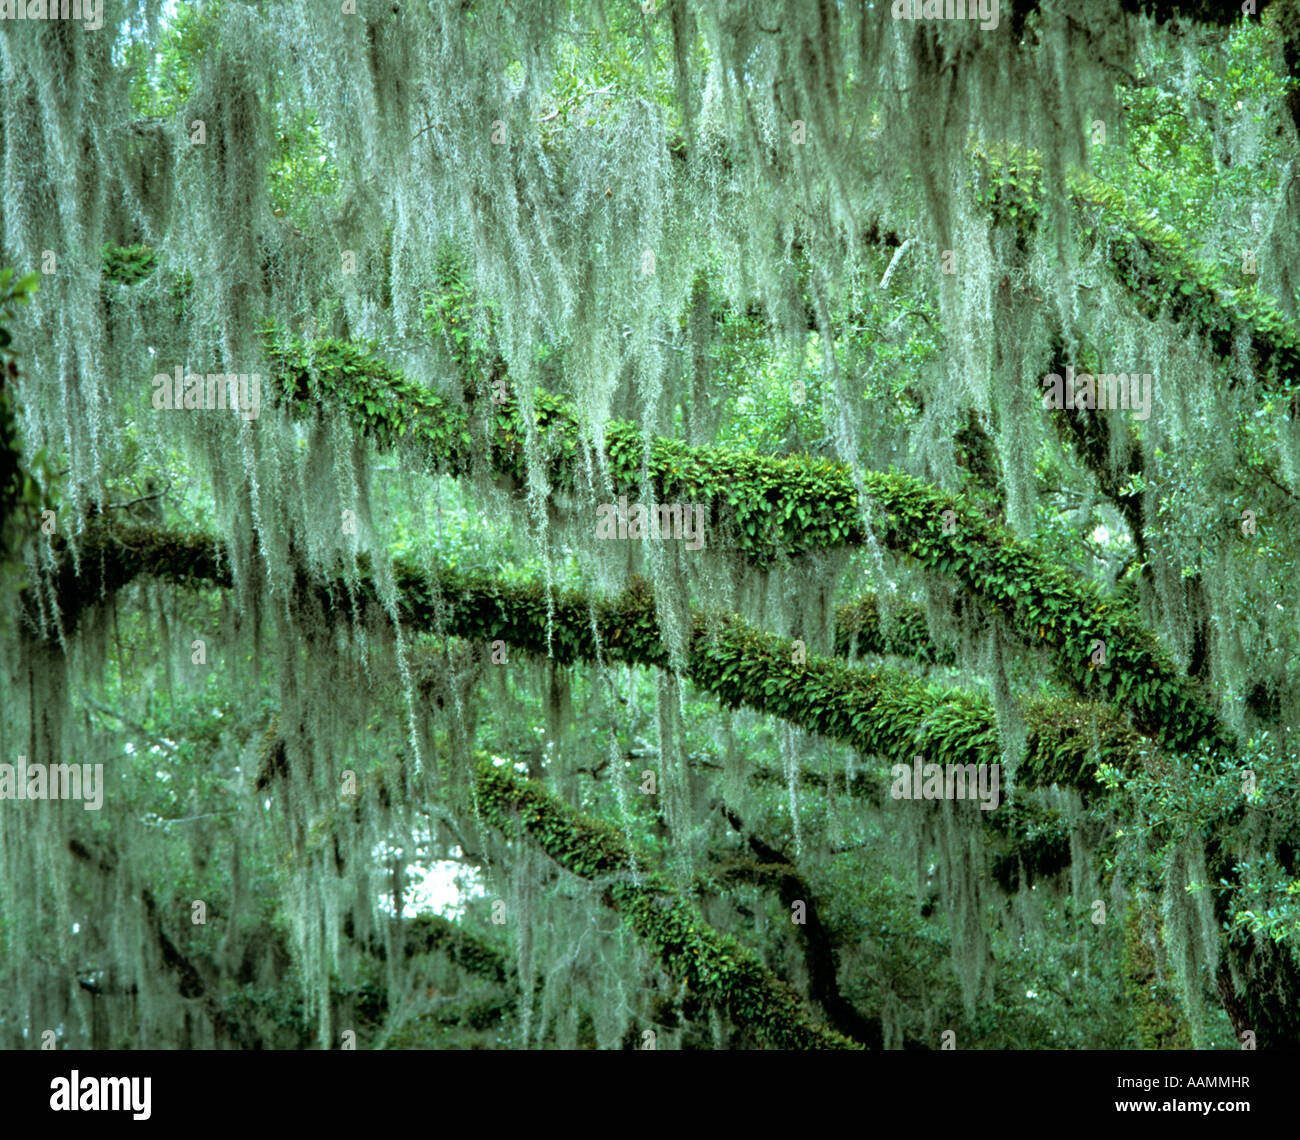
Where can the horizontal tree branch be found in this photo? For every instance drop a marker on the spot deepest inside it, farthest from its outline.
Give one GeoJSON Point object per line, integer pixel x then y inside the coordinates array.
{"type": "Point", "coordinates": [881, 712]}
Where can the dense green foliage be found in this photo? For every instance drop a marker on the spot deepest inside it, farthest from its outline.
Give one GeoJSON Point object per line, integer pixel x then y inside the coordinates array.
{"type": "Point", "coordinates": [409, 739]}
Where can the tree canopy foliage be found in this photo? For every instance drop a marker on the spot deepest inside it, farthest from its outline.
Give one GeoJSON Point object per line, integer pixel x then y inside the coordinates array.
{"type": "Point", "coordinates": [693, 524]}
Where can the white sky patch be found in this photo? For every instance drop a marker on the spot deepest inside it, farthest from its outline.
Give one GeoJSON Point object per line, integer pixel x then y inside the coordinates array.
{"type": "Point", "coordinates": [440, 887]}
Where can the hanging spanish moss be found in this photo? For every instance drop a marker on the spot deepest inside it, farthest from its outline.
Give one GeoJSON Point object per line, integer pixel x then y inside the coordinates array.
{"type": "Point", "coordinates": [548, 526]}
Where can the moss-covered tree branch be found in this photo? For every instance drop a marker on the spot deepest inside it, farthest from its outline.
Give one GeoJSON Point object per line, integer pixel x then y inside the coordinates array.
{"type": "Point", "coordinates": [881, 712]}
{"type": "Point", "coordinates": [772, 869]}
{"type": "Point", "coordinates": [1154, 266]}
{"type": "Point", "coordinates": [714, 965]}
{"type": "Point", "coordinates": [741, 666]}
{"type": "Point", "coordinates": [792, 504]}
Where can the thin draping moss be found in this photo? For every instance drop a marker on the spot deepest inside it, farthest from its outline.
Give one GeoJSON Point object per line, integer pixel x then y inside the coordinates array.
{"type": "Point", "coordinates": [1151, 262]}
{"type": "Point", "coordinates": [1037, 844]}
{"type": "Point", "coordinates": [1156, 268]}
{"type": "Point", "coordinates": [771, 869]}
{"type": "Point", "coordinates": [714, 965]}
{"type": "Point", "coordinates": [1090, 438]}
{"type": "Point", "coordinates": [793, 504]}
{"type": "Point", "coordinates": [1215, 13]}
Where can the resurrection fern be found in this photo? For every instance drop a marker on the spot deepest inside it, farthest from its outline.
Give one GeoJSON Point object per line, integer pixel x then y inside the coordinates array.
{"type": "Point", "coordinates": [353, 329]}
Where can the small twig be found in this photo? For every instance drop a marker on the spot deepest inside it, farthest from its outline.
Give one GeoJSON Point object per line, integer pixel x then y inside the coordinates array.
{"type": "Point", "coordinates": [161, 740]}
{"type": "Point", "coordinates": [893, 262]}
{"type": "Point", "coordinates": [574, 99]}
{"type": "Point", "coordinates": [160, 822]}
{"type": "Point", "coordinates": [424, 130]}
{"type": "Point", "coordinates": [666, 344]}
{"type": "Point", "coordinates": [134, 502]}
{"type": "Point", "coordinates": [1272, 479]}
